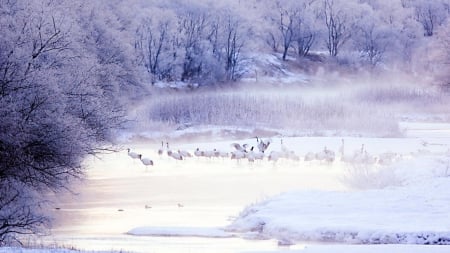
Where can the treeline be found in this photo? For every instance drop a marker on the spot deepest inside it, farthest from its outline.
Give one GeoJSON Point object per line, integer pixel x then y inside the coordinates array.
{"type": "Point", "coordinates": [207, 42]}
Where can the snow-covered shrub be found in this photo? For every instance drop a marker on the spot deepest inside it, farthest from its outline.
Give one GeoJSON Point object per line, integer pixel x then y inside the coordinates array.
{"type": "Point", "coordinates": [365, 176]}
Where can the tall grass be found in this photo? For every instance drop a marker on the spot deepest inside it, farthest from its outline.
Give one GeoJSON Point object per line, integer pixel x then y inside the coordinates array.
{"type": "Point", "coordinates": [394, 94]}
{"type": "Point", "coordinates": [365, 110]}
{"type": "Point", "coordinates": [256, 110]}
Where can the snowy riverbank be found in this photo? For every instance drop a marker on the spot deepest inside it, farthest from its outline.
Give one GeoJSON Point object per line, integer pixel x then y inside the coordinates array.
{"type": "Point", "coordinates": [414, 213]}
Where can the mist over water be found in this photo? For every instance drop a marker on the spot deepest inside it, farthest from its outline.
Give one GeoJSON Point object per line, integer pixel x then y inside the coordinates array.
{"type": "Point", "coordinates": [120, 194]}
{"type": "Point", "coordinates": [348, 106]}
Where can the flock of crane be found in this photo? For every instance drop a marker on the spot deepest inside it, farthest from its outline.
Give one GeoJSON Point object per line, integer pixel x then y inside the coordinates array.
{"type": "Point", "coordinates": [245, 152]}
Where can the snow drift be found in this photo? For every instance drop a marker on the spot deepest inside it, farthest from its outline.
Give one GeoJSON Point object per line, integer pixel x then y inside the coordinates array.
{"type": "Point", "coordinates": [414, 213]}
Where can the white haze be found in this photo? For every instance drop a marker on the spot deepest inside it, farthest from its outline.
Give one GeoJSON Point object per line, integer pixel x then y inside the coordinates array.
{"type": "Point", "coordinates": [340, 105]}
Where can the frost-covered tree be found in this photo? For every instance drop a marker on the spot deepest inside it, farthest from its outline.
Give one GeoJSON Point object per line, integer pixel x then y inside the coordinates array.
{"type": "Point", "coordinates": [373, 36]}
{"type": "Point", "coordinates": [337, 17]}
{"type": "Point", "coordinates": [55, 107]}
{"type": "Point", "coordinates": [106, 37]}
{"type": "Point", "coordinates": [188, 44]}
{"type": "Point", "coordinates": [431, 14]}
{"type": "Point", "coordinates": [393, 28]}
{"type": "Point", "coordinates": [440, 56]}
{"type": "Point", "coordinates": [153, 43]}
{"type": "Point", "coordinates": [287, 19]}
{"type": "Point", "coordinates": [305, 28]}
{"type": "Point", "coordinates": [234, 40]}
{"type": "Point", "coordinates": [290, 26]}
{"type": "Point", "coordinates": [407, 35]}
{"type": "Point", "coordinates": [193, 27]}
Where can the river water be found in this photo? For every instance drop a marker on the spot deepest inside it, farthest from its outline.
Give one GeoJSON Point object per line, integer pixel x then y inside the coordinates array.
{"type": "Point", "coordinates": [120, 193]}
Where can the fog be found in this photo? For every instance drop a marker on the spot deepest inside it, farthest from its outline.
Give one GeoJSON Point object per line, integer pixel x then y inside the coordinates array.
{"type": "Point", "coordinates": [337, 105]}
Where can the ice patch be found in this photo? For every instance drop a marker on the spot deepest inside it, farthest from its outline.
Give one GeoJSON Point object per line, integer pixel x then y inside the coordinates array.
{"type": "Point", "coordinates": [181, 231]}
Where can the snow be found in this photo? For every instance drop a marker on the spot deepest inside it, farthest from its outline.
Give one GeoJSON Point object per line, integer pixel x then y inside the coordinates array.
{"type": "Point", "coordinates": [24, 250]}
{"type": "Point", "coordinates": [269, 68]}
{"type": "Point", "coordinates": [176, 85]}
{"type": "Point", "coordinates": [180, 231]}
{"type": "Point", "coordinates": [414, 213]}
{"type": "Point", "coordinates": [417, 129]}
{"type": "Point", "coordinates": [339, 248]}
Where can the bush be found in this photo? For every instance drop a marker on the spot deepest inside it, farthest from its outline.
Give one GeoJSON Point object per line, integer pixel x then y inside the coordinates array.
{"type": "Point", "coordinates": [365, 177]}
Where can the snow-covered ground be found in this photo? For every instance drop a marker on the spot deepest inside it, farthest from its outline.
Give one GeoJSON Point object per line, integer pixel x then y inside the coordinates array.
{"type": "Point", "coordinates": [198, 204]}
{"type": "Point", "coordinates": [414, 213]}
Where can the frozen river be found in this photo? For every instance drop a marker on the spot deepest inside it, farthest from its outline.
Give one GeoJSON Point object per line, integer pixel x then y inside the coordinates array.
{"type": "Point", "coordinates": [120, 194]}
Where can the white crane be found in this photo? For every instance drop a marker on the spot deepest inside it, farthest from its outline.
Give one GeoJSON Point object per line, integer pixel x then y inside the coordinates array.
{"type": "Point", "coordinates": [309, 156]}
{"type": "Point", "coordinates": [262, 145]}
{"type": "Point", "coordinates": [146, 161]}
{"type": "Point", "coordinates": [363, 157]}
{"type": "Point", "coordinates": [259, 155]}
{"type": "Point", "coordinates": [238, 147]}
{"type": "Point", "coordinates": [161, 150]}
{"type": "Point", "coordinates": [292, 156]}
{"type": "Point", "coordinates": [251, 155]}
{"type": "Point", "coordinates": [175, 155]}
{"type": "Point", "coordinates": [341, 148]}
{"type": "Point", "coordinates": [274, 156]}
{"type": "Point", "coordinates": [184, 153]}
{"type": "Point", "coordinates": [350, 158]}
{"type": "Point", "coordinates": [198, 152]}
{"type": "Point", "coordinates": [133, 155]}
{"type": "Point", "coordinates": [208, 153]}
{"type": "Point", "coordinates": [237, 155]}
{"type": "Point", "coordinates": [218, 153]}
{"type": "Point", "coordinates": [387, 158]}
{"type": "Point", "coordinates": [287, 153]}
{"type": "Point", "coordinates": [328, 155]}
{"type": "Point", "coordinates": [321, 155]}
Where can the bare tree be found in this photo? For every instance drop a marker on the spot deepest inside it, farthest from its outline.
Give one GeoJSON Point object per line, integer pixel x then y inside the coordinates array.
{"type": "Point", "coordinates": [430, 14]}
{"type": "Point", "coordinates": [337, 24]}
{"type": "Point", "coordinates": [372, 44]}
{"type": "Point", "coordinates": [286, 21]}
{"type": "Point", "coordinates": [272, 41]}
{"type": "Point", "coordinates": [194, 48]}
{"type": "Point", "coordinates": [441, 56]}
{"type": "Point", "coordinates": [304, 42]}
{"type": "Point", "coordinates": [291, 27]}
{"type": "Point", "coordinates": [193, 26]}
{"type": "Point", "coordinates": [234, 42]}
{"type": "Point", "coordinates": [54, 109]}
{"type": "Point", "coordinates": [304, 32]}
{"type": "Point", "coordinates": [373, 36]}
{"type": "Point", "coordinates": [152, 42]}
